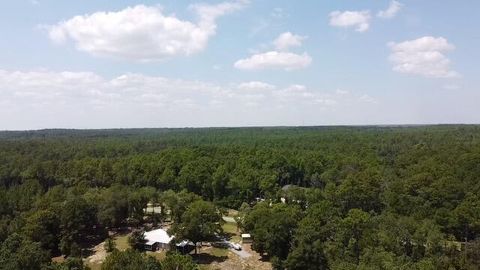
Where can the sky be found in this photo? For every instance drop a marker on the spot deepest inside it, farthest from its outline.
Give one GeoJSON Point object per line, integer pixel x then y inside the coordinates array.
{"type": "Point", "coordinates": [132, 64]}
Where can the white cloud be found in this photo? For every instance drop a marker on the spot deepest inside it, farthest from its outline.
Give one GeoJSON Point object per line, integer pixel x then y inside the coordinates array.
{"type": "Point", "coordinates": [326, 101]}
{"type": "Point", "coordinates": [48, 85]}
{"type": "Point", "coordinates": [368, 99]}
{"type": "Point", "coordinates": [279, 58]}
{"type": "Point", "coordinates": [255, 85]}
{"type": "Point", "coordinates": [142, 33]}
{"type": "Point", "coordinates": [294, 90]}
{"type": "Point", "coordinates": [346, 19]}
{"type": "Point", "coordinates": [423, 56]}
{"type": "Point", "coordinates": [40, 99]}
{"type": "Point", "coordinates": [342, 92]}
{"type": "Point", "coordinates": [391, 11]}
{"type": "Point", "coordinates": [287, 40]}
{"type": "Point", "coordinates": [275, 60]}
{"type": "Point", "coordinates": [209, 13]}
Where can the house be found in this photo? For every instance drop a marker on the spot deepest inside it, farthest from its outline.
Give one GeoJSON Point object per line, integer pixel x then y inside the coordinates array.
{"type": "Point", "coordinates": [157, 239]}
{"type": "Point", "coordinates": [246, 238]}
{"type": "Point", "coordinates": [160, 240]}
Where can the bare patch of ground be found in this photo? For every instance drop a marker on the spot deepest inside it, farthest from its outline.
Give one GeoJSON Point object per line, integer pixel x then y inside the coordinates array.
{"type": "Point", "coordinates": [58, 259]}
{"type": "Point", "coordinates": [99, 254]}
{"type": "Point", "coordinates": [213, 258]}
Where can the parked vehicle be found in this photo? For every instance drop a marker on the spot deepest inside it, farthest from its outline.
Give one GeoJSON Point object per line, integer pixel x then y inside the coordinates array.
{"type": "Point", "coordinates": [236, 246]}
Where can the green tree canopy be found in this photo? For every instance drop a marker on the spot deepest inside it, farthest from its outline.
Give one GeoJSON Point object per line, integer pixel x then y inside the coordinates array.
{"type": "Point", "coordinates": [200, 222]}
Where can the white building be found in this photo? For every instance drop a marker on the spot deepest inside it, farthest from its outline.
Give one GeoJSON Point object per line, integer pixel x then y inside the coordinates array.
{"type": "Point", "coordinates": [246, 238]}
{"type": "Point", "coordinates": [157, 239]}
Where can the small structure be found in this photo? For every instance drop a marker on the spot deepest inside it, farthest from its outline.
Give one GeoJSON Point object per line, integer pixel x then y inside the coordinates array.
{"type": "Point", "coordinates": [185, 246]}
{"type": "Point", "coordinates": [157, 239]}
{"type": "Point", "coordinates": [246, 238]}
{"type": "Point", "coordinates": [152, 209]}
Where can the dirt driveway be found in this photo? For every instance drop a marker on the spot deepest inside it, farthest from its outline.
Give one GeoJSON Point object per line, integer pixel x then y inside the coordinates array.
{"type": "Point", "coordinates": [234, 261]}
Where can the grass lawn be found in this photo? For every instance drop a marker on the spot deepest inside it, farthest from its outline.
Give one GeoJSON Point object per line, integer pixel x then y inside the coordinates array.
{"type": "Point", "coordinates": [218, 252]}
{"type": "Point", "coordinates": [236, 239]}
{"type": "Point", "coordinates": [121, 242]}
{"type": "Point", "coordinates": [95, 266]}
{"type": "Point", "coordinates": [208, 258]}
{"type": "Point", "coordinates": [230, 227]}
{"type": "Point", "coordinates": [157, 255]}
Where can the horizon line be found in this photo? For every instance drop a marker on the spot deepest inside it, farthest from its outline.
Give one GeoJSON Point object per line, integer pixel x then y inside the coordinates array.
{"type": "Point", "coordinates": [239, 127]}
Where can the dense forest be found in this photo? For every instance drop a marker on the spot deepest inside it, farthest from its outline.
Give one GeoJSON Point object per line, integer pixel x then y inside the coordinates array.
{"type": "Point", "coordinates": [393, 197]}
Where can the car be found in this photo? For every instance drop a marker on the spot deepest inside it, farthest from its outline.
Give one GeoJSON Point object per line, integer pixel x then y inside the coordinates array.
{"type": "Point", "coordinates": [236, 246]}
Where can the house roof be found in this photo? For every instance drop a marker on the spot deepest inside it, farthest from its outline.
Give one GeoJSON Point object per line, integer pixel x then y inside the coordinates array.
{"type": "Point", "coordinates": [246, 235]}
{"type": "Point", "coordinates": [159, 235]}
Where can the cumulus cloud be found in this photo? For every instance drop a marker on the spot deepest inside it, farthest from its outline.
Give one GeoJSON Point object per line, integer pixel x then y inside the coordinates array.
{"type": "Point", "coordinates": [48, 88]}
{"type": "Point", "coordinates": [39, 99]}
{"type": "Point", "coordinates": [280, 58]}
{"type": "Point", "coordinates": [294, 90]}
{"type": "Point", "coordinates": [209, 13]}
{"type": "Point", "coordinates": [142, 33]}
{"type": "Point", "coordinates": [275, 60]}
{"type": "Point", "coordinates": [256, 85]}
{"type": "Point", "coordinates": [360, 20]}
{"type": "Point", "coordinates": [391, 11]}
{"type": "Point", "coordinates": [342, 92]}
{"type": "Point", "coordinates": [423, 56]}
{"type": "Point", "coordinates": [368, 99]}
{"type": "Point", "coordinates": [288, 40]}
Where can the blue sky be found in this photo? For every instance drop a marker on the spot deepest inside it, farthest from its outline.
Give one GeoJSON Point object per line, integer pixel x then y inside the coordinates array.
{"type": "Point", "coordinates": [103, 64]}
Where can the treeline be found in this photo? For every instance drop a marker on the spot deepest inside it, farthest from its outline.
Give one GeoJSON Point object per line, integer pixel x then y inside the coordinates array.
{"type": "Point", "coordinates": [406, 195]}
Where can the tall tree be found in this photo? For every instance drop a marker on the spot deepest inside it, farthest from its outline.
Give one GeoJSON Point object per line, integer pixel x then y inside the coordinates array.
{"type": "Point", "coordinates": [200, 222]}
{"type": "Point", "coordinates": [43, 227]}
{"type": "Point", "coordinates": [130, 260]}
{"type": "Point", "coordinates": [77, 220]}
{"type": "Point", "coordinates": [16, 252]}
{"type": "Point", "coordinates": [175, 261]}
